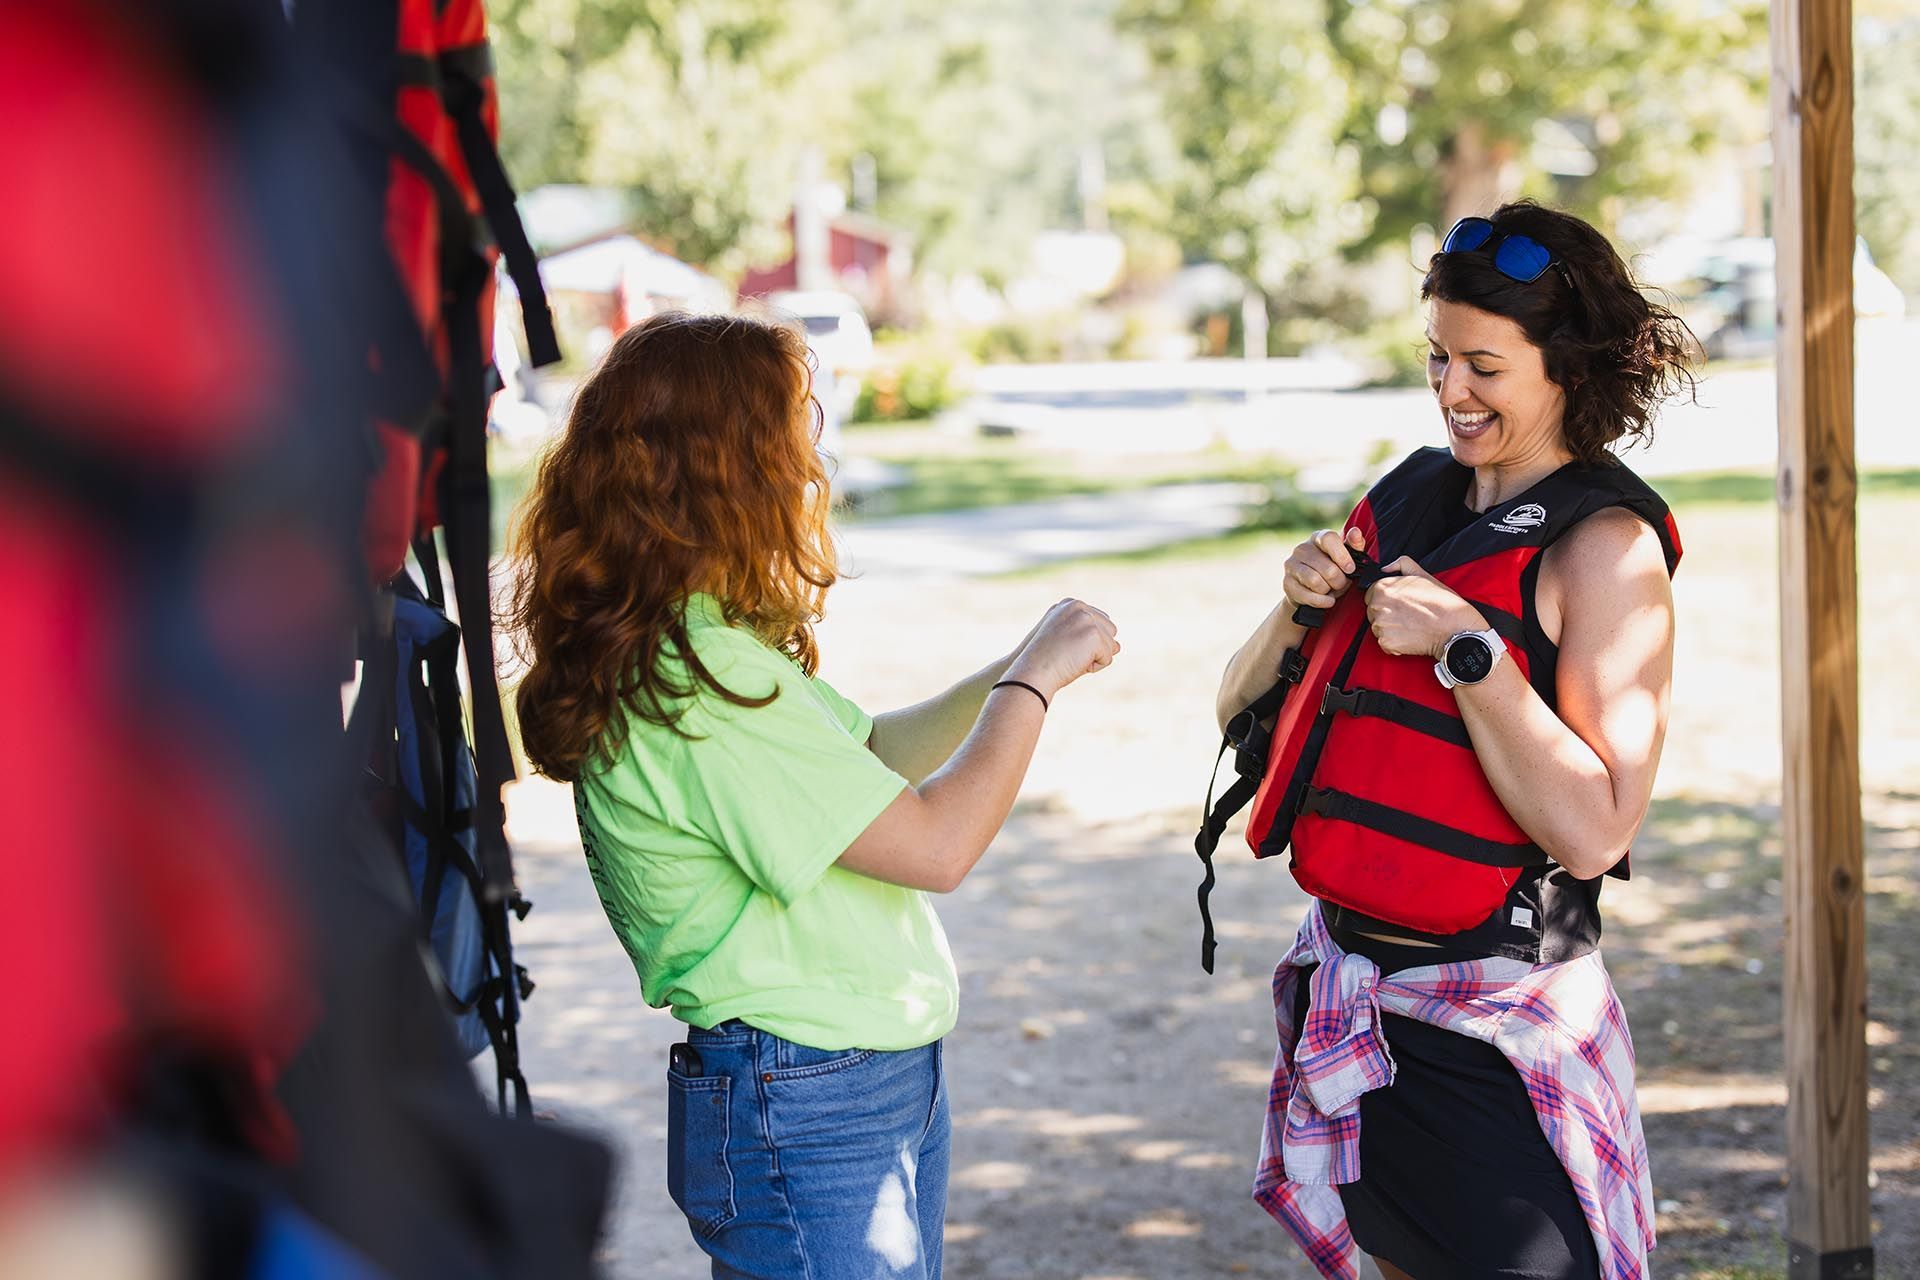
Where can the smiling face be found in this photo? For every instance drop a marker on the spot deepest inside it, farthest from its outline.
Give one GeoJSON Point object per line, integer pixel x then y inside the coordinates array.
{"type": "Point", "coordinates": [1501, 410]}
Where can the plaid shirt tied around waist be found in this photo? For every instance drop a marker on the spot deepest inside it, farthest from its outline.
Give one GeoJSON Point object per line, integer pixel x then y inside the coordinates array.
{"type": "Point", "coordinates": [1560, 1025]}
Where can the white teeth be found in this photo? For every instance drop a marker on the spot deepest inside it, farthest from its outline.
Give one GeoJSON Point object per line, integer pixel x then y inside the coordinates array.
{"type": "Point", "coordinates": [1471, 419]}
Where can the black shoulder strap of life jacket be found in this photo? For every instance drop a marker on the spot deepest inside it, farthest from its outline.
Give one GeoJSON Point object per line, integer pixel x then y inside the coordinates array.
{"type": "Point", "coordinates": [464, 73]}
{"type": "Point", "coordinates": [1250, 734]}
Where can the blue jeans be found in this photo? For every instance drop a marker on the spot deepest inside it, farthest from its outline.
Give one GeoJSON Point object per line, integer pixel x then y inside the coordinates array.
{"type": "Point", "coordinates": [807, 1164]}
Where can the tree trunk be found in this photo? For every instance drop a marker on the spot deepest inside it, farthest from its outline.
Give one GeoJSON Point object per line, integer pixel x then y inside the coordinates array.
{"type": "Point", "coordinates": [1476, 176]}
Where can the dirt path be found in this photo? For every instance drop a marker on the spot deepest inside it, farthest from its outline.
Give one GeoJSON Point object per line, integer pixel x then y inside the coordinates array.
{"type": "Point", "coordinates": [1107, 1093]}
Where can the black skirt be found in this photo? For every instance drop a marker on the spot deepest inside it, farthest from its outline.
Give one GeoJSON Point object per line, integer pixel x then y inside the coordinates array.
{"type": "Point", "coordinates": [1457, 1181]}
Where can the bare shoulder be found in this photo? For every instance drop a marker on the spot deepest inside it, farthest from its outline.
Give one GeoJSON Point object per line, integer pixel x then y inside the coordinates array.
{"type": "Point", "coordinates": [1607, 565]}
{"type": "Point", "coordinates": [1610, 548]}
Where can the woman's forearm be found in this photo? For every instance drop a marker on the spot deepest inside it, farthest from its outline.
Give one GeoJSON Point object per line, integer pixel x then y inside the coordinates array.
{"type": "Point", "coordinates": [1252, 670]}
{"type": "Point", "coordinates": [931, 836]}
{"type": "Point", "coordinates": [916, 741]}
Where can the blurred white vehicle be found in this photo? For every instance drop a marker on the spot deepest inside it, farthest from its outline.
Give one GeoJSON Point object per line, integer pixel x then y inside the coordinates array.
{"type": "Point", "coordinates": [841, 342]}
{"type": "Point", "coordinates": [1733, 295]}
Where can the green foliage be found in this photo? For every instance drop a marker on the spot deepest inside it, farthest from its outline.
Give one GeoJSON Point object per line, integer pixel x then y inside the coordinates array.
{"type": "Point", "coordinates": [1020, 340]}
{"type": "Point", "coordinates": [1396, 349]}
{"type": "Point", "coordinates": [1455, 100]}
{"type": "Point", "coordinates": [978, 115]}
{"type": "Point", "coordinates": [1285, 507]}
{"type": "Point", "coordinates": [697, 108]}
{"type": "Point", "coordinates": [1253, 100]}
{"type": "Point", "coordinates": [909, 381]}
{"type": "Point", "coordinates": [1886, 76]}
{"type": "Point", "coordinates": [700, 109]}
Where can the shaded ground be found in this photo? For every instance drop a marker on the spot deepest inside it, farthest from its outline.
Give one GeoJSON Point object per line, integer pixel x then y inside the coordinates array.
{"type": "Point", "coordinates": [1107, 1093]}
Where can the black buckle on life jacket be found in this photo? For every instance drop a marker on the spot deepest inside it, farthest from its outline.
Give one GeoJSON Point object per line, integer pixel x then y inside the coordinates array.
{"type": "Point", "coordinates": [1320, 802]}
{"type": "Point", "coordinates": [1337, 699]}
{"type": "Point", "coordinates": [1293, 666]}
{"type": "Point", "coordinates": [1250, 740]}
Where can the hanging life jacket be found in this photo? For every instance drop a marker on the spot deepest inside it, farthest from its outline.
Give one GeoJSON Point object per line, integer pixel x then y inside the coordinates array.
{"type": "Point", "coordinates": [1367, 774]}
{"type": "Point", "coordinates": [411, 84]}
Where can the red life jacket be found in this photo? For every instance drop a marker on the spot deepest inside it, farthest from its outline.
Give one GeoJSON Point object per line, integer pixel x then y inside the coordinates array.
{"type": "Point", "coordinates": [1369, 778]}
{"type": "Point", "coordinates": [413, 79]}
{"type": "Point", "coordinates": [412, 84]}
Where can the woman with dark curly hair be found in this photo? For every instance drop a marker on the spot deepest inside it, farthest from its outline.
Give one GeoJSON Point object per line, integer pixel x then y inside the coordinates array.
{"type": "Point", "coordinates": [763, 847]}
{"type": "Point", "coordinates": [1480, 667]}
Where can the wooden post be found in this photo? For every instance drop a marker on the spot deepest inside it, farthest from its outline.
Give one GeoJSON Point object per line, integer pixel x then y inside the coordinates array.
{"type": "Point", "coordinates": [1829, 1232]}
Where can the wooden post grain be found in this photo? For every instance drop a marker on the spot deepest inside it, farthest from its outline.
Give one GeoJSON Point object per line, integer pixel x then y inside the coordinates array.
{"type": "Point", "coordinates": [1829, 1233]}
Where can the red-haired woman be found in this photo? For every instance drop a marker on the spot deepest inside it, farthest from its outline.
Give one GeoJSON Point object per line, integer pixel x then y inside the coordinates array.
{"type": "Point", "coordinates": [763, 848]}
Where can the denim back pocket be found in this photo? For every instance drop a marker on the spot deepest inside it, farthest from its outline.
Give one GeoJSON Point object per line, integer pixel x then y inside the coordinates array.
{"type": "Point", "coordinates": [698, 1176]}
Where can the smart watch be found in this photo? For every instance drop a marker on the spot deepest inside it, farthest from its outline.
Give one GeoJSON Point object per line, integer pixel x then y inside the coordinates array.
{"type": "Point", "coordinates": [1469, 657]}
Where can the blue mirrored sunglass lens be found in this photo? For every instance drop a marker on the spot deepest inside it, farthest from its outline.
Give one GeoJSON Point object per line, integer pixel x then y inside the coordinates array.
{"type": "Point", "coordinates": [1522, 258]}
{"type": "Point", "coordinates": [1467, 234]}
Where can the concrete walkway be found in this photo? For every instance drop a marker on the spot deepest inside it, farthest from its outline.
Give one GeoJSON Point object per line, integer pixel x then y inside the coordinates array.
{"type": "Point", "coordinates": [1336, 438]}
{"type": "Point", "coordinates": [994, 540]}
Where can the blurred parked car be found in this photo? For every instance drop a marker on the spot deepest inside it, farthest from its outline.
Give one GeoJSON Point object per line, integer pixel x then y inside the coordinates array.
{"type": "Point", "coordinates": [841, 341]}
{"type": "Point", "coordinates": [1731, 297]}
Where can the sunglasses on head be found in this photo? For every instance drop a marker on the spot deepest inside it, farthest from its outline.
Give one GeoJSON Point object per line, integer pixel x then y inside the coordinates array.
{"type": "Point", "coordinates": [1516, 257]}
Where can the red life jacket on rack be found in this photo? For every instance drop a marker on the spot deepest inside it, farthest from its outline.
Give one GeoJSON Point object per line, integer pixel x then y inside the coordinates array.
{"type": "Point", "coordinates": [1369, 778]}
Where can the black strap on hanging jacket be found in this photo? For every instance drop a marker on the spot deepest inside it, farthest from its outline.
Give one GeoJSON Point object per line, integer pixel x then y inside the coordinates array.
{"type": "Point", "coordinates": [1250, 735]}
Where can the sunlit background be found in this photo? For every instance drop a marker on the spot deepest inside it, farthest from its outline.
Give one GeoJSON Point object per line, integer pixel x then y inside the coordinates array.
{"type": "Point", "coordinates": [1115, 298]}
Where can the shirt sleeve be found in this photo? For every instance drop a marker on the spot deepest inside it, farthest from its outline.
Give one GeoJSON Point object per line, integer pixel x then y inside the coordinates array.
{"type": "Point", "coordinates": [856, 721]}
{"type": "Point", "coordinates": [782, 788]}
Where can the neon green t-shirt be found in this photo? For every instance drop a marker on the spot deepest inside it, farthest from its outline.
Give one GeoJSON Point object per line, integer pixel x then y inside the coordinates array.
{"type": "Point", "coordinates": [714, 858]}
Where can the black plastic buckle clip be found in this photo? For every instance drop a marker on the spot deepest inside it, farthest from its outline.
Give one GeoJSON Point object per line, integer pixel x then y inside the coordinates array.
{"type": "Point", "coordinates": [1250, 740]}
{"type": "Point", "coordinates": [1293, 666]}
{"type": "Point", "coordinates": [1336, 699]}
{"type": "Point", "coordinates": [1318, 801]}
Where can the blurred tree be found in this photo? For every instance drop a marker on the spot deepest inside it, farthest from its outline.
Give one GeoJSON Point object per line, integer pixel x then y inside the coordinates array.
{"type": "Point", "coordinates": [1257, 176]}
{"type": "Point", "coordinates": [1459, 105]}
{"type": "Point", "coordinates": [982, 115]}
{"type": "Point", "coordinates": [699, 108]}
{"type": "Point", "coordinates": [696, 108]}
{"type": "Point", "coordinates": [1886, 121]}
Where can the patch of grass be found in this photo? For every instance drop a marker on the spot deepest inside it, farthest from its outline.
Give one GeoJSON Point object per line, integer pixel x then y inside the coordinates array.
{"type": "Point", "coordinates": [874, 426]}
{"type": "Point", "coordinates": [1738, 1272]}
{"type": "Point", "coordinates": [1004, 475]}
{"type": "Point", "coordinates": [1190, 551]}
{"type": "Point", "coordinates": [1758, 486]}
{"type": "Point", "coordinates": [961, 483]}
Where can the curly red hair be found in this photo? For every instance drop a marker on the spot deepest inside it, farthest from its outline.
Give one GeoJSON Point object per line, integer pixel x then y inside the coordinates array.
{"type": "Point", "coordinates": [688, 464]}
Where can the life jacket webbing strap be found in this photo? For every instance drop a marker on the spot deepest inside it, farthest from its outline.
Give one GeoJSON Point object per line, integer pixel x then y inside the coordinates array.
{"type": "Point", "coordinates": [466, 98]}
{"type": "Point", "coordinates": [1377, 705]}
{"type": "Point", "coordinates": [1249, 739]}
{"type": "Point", "coordinates": [429, 70]}
{"type": "Point", "coordinates": [1366, 572]}
{"type": "Point", "coordinates": [1342, 807]}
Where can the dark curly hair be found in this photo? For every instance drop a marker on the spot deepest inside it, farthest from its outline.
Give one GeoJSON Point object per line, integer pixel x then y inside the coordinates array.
{"type": "Point", "coordinates": [1615, 354]}
{"type": "Point", "coordinates": [688, 464]}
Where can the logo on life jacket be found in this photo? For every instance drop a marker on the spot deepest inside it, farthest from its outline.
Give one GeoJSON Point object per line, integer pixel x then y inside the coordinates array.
{"type": "Point", "coordinates": [1522, 519]}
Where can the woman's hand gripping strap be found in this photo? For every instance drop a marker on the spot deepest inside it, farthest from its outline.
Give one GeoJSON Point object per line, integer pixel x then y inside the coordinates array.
{"type": "Point", "coordinates": [1366, 572]}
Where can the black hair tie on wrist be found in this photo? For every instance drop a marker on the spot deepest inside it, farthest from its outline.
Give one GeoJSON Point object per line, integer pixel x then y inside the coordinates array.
{"type": "Point", "coordinates": [1022, 684]}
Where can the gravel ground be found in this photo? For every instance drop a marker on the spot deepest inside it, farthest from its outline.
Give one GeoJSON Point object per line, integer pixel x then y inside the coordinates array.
{"type": "Point", "coordinates": [1107, 1094]}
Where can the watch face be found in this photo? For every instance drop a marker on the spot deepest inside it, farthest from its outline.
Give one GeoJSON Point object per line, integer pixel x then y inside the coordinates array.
{"type": "Point", "coordinates": [1469, 659]}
